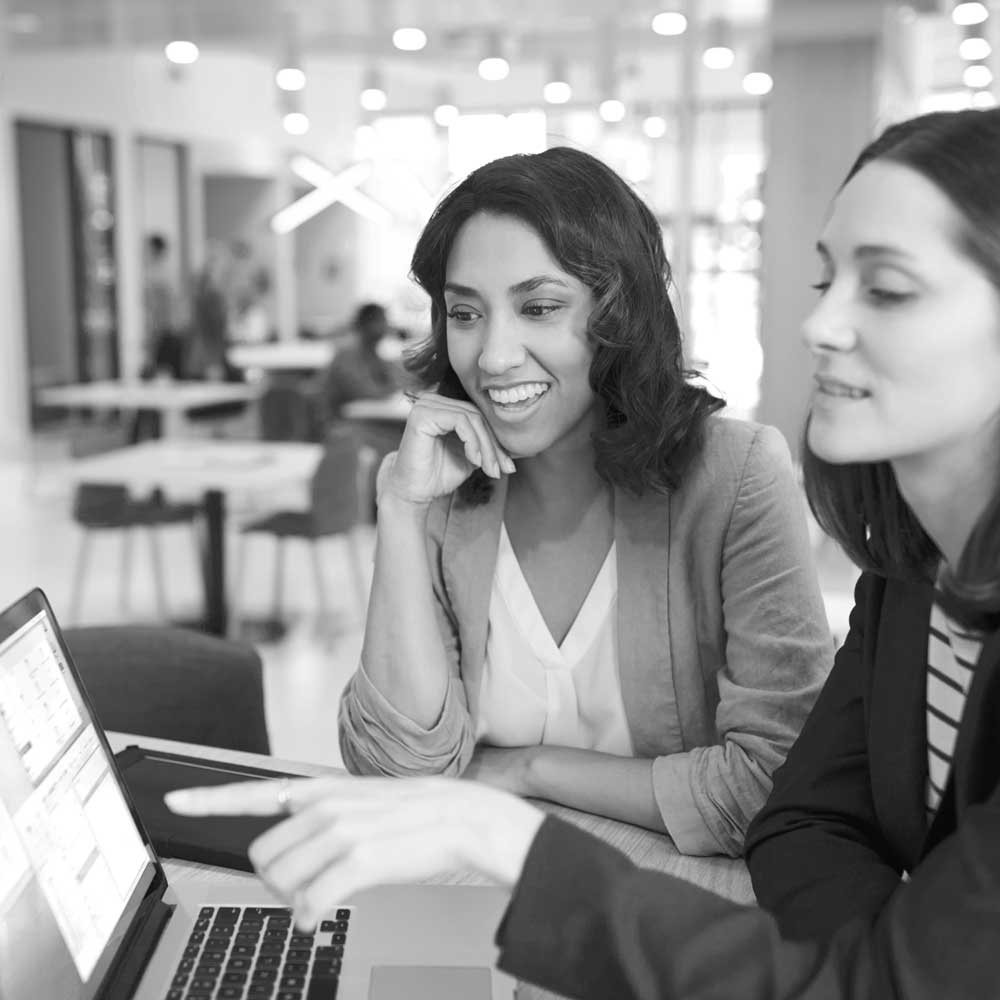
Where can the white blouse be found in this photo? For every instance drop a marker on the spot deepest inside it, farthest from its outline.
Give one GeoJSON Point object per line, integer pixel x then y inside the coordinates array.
{"type": "Point", "coordinates": [536, 692]}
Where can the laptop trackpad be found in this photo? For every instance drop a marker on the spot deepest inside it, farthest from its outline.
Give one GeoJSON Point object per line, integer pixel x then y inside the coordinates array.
{"type": "Point", "coordinates": [429, 982]}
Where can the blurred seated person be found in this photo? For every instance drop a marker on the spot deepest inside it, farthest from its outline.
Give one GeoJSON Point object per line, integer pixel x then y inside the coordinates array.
{"type": "Point", "coordinates": [358, 371]}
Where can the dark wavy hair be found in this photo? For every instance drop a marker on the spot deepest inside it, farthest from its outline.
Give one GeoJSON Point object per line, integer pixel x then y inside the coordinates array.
{"type": "Point", "coordinates": [860, 504]}
{"type": "Point", "coordinates": [601, 232]}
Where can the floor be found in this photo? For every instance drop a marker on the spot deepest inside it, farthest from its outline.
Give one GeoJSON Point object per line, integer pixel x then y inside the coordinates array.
{"type": "Point", "coordinates": [307, 668]}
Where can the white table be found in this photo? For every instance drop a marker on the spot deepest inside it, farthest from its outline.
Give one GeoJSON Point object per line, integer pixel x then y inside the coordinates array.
{"type": "Point", "coordinates": [172, 399]}
{"type": "Point", "coordinates": [282, 355]}
{"type": "Point", "coordinates": [726, 876]}
{"type": "Point", "coordinates": [212, 468]}
{"type": "Point", "coordinates": [393, 409]}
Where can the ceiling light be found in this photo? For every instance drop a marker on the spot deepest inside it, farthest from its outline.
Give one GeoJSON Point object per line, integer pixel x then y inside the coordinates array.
{"type": "Point", "coordinates": [296, 123]}
{"type": "Point", "coordinates": [974, 49]}
{"type": "Point", "coordinates": [445, 114]}
{"type": "Point", "coordinates": [983, 99]}
{"type": "Point", "coordinates": [290, 78]}
{"type": "Point", "coordinates": [718, 52]}
{"type": "Point", "coordinates": [718, 57]}
{"type": "Point", "coordinates": [373, 99]}
{"type": "Point", "coordinates": [977, 76]}
{"type": "Point", "coordinates": [969, 13]}
{"type": "Point", "coordinates": [612, 110]}
{"type": "Point", "coordinates": [655, 126]}
{"type": "Point", "coordinates": [409, 39]}
{"type": "Point", "coordinates": [670, 22]}
{"type": "Point", "coordinates": [758, 83]}
{"type": "Point", "coordinates": [494, 68]}
{"type": "Point", "coordinates": [557, 92]}
{"type": "Point", "coordinates": [180, 52]}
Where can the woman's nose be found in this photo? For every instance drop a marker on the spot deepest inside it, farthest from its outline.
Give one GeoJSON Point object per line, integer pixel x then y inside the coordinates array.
{"type": "Point", "coordinates": [502, 348]}
{"type": "Point", "coordinates": [829, 327]}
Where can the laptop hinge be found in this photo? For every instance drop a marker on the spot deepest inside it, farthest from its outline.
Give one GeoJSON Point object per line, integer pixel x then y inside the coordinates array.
{"type": "Point", "coordinates": [137, 949]}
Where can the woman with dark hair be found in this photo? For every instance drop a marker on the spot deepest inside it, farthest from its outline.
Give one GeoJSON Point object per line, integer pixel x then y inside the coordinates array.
{"type": "Point", "coordinates": [588, 588]}
{"type": "Point", "coordinates": [878, 852]}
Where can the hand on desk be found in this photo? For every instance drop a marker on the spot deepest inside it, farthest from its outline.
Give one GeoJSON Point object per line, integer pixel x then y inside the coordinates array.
{"type": "Point", "coordinates": [345, 834]}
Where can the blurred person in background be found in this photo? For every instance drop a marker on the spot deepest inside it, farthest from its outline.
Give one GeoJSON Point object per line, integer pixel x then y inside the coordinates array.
{"type": "Point", "coordinates": [209, 331]}
{"type": "Point", "coordinates": [163, 347]}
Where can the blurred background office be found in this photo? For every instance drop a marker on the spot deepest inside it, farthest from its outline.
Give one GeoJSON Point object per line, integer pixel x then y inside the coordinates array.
{"type": "Point", "coordinates": [207, 209]}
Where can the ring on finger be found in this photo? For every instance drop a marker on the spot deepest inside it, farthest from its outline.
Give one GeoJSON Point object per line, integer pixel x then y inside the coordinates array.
{"type": "Point", "coordinates": [284, 794]}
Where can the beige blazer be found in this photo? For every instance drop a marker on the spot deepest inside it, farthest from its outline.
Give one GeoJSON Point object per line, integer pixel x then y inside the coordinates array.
{"type": "Point", "coordinates": [723, 639]}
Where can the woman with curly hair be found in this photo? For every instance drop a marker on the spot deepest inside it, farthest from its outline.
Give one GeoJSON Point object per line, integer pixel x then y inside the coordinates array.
{"type": "Point", "coordinates": [588, 587]}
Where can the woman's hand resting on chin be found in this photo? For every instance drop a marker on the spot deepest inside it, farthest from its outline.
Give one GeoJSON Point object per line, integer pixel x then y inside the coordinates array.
{"type": "Point", "coordinates": [344, 834]}
{"type": "Point", "coordinates": [444, 442]}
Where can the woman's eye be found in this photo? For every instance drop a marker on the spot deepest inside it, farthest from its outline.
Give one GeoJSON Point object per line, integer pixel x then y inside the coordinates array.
{"type": "Point", "coordinates": [457, 314]}
{"type": "Point", "coordinates": [821, 287]}
{"type": "Point", "coordinates": [539, 309]}
{"type": "Point", "coordinates": [887, 296]}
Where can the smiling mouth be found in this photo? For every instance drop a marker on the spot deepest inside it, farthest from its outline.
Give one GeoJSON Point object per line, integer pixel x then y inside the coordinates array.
{"type": "Point", "coordinates": [517, 396]}
{"type": "Point", "coordinates": [831, 387]}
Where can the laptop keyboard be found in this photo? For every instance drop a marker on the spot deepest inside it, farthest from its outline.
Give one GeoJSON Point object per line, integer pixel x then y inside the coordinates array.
{"type": "Point", "coordinates": [256, 953]}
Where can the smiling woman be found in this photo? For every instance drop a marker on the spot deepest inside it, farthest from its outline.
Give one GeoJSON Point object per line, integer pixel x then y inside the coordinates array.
{"type": "Point", "coordinates": [588, 587]}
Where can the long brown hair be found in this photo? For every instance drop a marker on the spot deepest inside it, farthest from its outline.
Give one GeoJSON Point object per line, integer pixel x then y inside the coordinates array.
{"type": "Point", "coordinates": [860, 504]}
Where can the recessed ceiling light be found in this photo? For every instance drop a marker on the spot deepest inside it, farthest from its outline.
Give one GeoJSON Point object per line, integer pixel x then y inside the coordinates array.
{"type": "Point", "coordinates": [409, 39]}
{"type": "Point", "coordinates": [182, 53]}
{"type": "Point", "coordinates": [670, 22]}
{"type": "Point", "coordinates": [290, 78]}
{"type": "Point", "coordinates": [296, 123]}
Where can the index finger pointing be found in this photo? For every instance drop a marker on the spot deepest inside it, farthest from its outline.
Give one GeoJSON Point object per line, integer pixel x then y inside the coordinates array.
{"type": "Point", "coordinates": [245, 798]}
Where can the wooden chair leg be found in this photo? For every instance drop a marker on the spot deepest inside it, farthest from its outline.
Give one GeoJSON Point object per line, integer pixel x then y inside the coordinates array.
{"type": "Point", "coordinates": [80, 570]}
{"type": "Point", "coordinates": [126, 571]}
{"type": "Point", "coordinates": [279, 572]}
{"type": "Point", "coordinates": [236, 615]}
{"type": "Point", "coordinates": [321, 599]}
{"type": "Point", "coordinates": [159, 584]}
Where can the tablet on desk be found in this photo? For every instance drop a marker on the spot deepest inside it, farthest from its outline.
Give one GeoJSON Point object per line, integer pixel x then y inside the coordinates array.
{"type": "Point", "coordinates": [216, 840]}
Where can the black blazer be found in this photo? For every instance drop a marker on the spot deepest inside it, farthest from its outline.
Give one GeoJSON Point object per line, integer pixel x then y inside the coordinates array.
{"type": "Point", "coordinates": [827, 853]}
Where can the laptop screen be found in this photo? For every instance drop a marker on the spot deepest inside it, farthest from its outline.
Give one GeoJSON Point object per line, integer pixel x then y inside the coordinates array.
{"type": "Point", "coordinates": [74, 866]}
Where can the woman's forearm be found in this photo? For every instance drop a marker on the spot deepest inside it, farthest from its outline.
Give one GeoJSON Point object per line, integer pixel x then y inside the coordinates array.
{"type": "Point", "coordinates": [404, 653]}
{"type": "Point", "coordinates": [618, 787]}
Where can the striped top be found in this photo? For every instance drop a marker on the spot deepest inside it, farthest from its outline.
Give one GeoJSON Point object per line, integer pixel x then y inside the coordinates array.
{"type": "Point", "coordinates": [952, 653]}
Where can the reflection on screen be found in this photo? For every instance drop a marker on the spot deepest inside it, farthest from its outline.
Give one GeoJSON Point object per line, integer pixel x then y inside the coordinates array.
{"type": "Point", "coordinates": [70, 853]}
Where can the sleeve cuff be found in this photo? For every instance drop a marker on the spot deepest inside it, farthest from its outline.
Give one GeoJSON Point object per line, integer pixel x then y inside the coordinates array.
{"type": "Point", "coordinates": [383, 740]}
{"type": "Point", "coordinates": [676, 801]}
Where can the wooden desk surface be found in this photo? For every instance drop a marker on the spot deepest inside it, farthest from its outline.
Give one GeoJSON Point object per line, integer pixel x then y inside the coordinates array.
{"type": "Point", "coordinates": [202, 465]}
{"type": "Point", "coordinates": [726, 876]}
{"type": "Point", "coordinates": [282, 355]}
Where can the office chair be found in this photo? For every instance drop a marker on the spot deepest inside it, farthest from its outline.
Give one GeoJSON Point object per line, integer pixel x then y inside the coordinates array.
{"type": "Point", "coordinates": [333, 510]}
{"type": "Point", "coordinates": [172, 683]}
{"type": "Point", "coordinates": [110, 507]}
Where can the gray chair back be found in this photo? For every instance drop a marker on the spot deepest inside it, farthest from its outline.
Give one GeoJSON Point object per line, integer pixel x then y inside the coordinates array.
{"type": "Point", "coordinates": [334, 490]}
{"type": "Point", "coordinates": [173, 683]}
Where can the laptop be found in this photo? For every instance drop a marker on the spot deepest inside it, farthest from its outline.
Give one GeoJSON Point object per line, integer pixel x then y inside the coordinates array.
{"type": "Point", "coordinates": [87, 913]}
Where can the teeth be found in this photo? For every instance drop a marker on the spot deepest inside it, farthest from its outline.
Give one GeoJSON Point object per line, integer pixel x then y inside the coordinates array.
{"type": "Point", "coordinates": [517, 393]}
{"type": "Point", "coordinates": [837, 389]}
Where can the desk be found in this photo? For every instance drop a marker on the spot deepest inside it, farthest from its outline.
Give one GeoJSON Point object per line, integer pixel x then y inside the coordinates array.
{"type": "Point", "coordinates": [282, 355]}
{"type": "Point", "coordinates": [389, 409]}
{"type": "Point", "coordinates": [172, 399]}
{"type": "Point", "coordinates": [726, 876]}
{"type": "Point", "coordinates": [212, 468]}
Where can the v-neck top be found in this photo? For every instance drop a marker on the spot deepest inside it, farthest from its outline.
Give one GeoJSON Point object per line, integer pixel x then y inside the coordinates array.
{"type": "Point", "coordinates": [537, 692]}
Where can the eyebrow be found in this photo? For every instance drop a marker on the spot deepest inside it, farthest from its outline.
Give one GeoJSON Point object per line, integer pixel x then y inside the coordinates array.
{"type": "Point", "coordinates": [528, 285]}
{"type": "Point", "coordinates": [867, 251]}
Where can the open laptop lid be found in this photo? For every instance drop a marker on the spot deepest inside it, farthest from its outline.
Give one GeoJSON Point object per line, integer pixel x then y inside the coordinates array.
{"type": "Point", "coordinates": [75, 864]}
